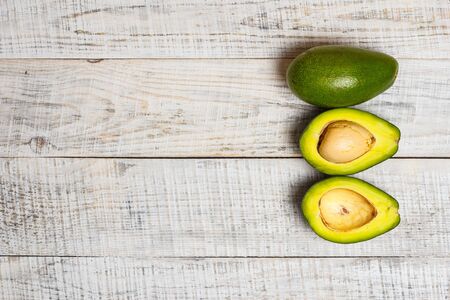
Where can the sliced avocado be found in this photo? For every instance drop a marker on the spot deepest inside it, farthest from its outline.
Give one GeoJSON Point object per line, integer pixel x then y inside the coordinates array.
{"type": "Point", "coordinates": [338, 76]}
{"type": "Point", "coordinates": [348, 210]}
{"type": "Point", "coordinates": [345, 141]}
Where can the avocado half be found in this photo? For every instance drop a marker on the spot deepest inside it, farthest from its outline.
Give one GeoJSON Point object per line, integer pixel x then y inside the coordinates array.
{"type": "Point", "coordinates": [337, 76]}
{"type": "Point", "coordinates": [348, 210]}
{"type": "Point", "coordinates": [345, 141]}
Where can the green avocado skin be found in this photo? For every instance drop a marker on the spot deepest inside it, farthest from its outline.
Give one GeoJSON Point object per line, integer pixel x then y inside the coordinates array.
{"type": "Point", "coordinates": [313, 194]}
{"type": "Point", "coordinates": [339, 76]}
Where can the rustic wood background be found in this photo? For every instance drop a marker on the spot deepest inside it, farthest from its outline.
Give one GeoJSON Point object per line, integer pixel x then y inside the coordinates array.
{"type": "Point", "coordinates": [149, 150]}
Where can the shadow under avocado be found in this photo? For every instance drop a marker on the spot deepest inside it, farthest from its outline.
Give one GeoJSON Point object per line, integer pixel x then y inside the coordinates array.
{"type": "Point", "coordinates": [307, 112]}
{"type": "Point", "coordinates": [290, 52]}
{"type": "Point", "coordinates": [299, 123]}
{"type": "Point", "coordinates": [298, 191]}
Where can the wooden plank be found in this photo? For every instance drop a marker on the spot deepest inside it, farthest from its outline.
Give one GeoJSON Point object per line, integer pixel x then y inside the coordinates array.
{"type": "Point", "coordinates": [261, 29]}
{"type": "Point", "coordinates": [203, 108]}
{"type": "Point", "coordinates": [196, 207]}
{"type": "Point", "coordinates": [318, 278]}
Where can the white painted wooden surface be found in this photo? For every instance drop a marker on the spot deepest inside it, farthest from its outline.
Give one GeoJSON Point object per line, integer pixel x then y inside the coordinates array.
{"type": "Point", "coordinates": [196, 207]}
{"type": "Point", "coordinates": [218, 28]}
{"type": "Point", "coordinates": [231, 278]}
{"type": "Point", "coordinates": [157, 108]}
{"type": "Point", "coordinates": [104, 228]}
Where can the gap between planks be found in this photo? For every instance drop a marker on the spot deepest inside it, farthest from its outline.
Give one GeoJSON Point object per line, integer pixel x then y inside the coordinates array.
{"type": "Point", "coordinates": [95, 60]}
{"type": "Point", "coordinates": [232, 257]}
{"type": "Point", "coordinates": [198, 157]}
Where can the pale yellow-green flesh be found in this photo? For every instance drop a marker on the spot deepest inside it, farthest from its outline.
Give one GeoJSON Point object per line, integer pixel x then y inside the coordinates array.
{"type": "Point", "coordinates": [385, 134]}
{"type": "Point", "coordinates": [386, 217]}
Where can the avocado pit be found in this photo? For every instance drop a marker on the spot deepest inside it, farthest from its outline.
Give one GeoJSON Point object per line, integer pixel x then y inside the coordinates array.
{"type": "Point", "coordinates": [344, 210]}
{"type": "Point", "coordinates": [344, 141]}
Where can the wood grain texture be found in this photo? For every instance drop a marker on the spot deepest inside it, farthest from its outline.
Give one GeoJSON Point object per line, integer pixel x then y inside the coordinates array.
{"type": "Point", "coordinates": [207, 228]}
{"type": "Point", "coordinates": [203, 108]}
{"type": "Point", "coordinates": [127, 278]}
{"type": "Point", "coordinates": [196, 207]}
{"type": "Point", "coordinates": [217, 28]}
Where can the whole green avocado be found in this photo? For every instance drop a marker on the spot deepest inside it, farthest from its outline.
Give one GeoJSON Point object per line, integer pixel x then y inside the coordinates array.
{"type": "Point", "coordinates": [339, 76]}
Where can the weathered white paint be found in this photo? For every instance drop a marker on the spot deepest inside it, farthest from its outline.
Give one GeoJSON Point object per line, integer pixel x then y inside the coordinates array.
{"type": "Point", "coordinates": [196, 207]}
{"type": "Point", "coordinates": [154, 108]}
{"type": "Point", "coordinates": [231, 278]}
{"type": "Point", "coordinates": [218, 28]}
{"type": "Point", "coordinates": [147, 209]}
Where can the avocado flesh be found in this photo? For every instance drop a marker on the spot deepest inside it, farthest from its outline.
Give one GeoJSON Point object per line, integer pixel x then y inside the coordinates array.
{"type": "Point", "coordinates": [348, 210]}
{"type": "Point", "coordinates": [351, 150]}
{"type": "Point", "coordinates": [339, 76]}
